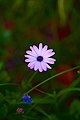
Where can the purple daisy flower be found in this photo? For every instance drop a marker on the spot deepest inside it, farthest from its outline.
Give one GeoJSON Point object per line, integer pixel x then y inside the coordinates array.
{"type": "Point", "coordinates": [26, 99]}
{"type": "Point", "coordinates": [39, 58]}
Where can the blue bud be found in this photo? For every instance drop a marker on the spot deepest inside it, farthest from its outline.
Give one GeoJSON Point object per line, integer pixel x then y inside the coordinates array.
{"type": "Point", "coordinates": [26, 99]}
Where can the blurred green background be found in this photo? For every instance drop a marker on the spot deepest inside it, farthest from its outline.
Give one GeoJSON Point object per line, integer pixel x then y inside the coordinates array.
{"type": "Point", "coordinates": [27, 22]}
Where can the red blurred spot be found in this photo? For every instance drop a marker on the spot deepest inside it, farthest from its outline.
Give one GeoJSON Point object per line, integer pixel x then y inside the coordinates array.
{"type": "Point", "coordinates": [50, 24]}
{"type": "Point", "coordinates": [65, 78]}
{"type": "Point", "coordinates": [9, 52]}
{"type": "Point", "coordinates": [9, 25]}
{"type": "Point", "coordinates": [40, 36]}
{"type": "Point", "coordinates": [64, 31]}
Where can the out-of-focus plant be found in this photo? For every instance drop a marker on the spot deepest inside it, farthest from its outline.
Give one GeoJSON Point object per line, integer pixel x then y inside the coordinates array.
{"type": "Point", "coordinates": [52, 22]}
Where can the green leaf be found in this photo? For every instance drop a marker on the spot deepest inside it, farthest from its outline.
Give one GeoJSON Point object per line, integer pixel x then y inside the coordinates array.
{"type": "Point", "coordinates": [45, 100]}
{"type": "Point", "coordinates": [1, 65]}
{"type": "Point", "coordinates": [75, 108]}
{"type": "Point", "coordinates": [68, 5]}
{"type": "Point", "coordinates": [43, 112]}
{"type": "Point", "coordinates": [3, 110]}
{"type": "Point", "coordinates": [4, 77]}
{"type": "Point", "coordinates": [61, 9]}
{"type": "Point", "coordinates": [1, 98]}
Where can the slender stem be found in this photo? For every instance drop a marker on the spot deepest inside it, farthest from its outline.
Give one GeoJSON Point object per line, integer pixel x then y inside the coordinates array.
{"type": "Point", "coordinates": [61, 9]}
{"type": "Point", "coordinates": [67, 90]}
{"type": "Point", "coordinates": [35, 104]}
{"type": "Point", "coordinates": [31, 78]}
{"type": "Point", "coordinates": [72, 86]}
{"type": "Point", "coordinates": [52, 78]}
{"type": "Point", "coordinates": [48, 94]}
{"type": "Point", "coordinates": [28, 83]}
{"type": "Point", "coordinates": [8, 84]}
{"type": "Point", "coordinates": [43, 112]}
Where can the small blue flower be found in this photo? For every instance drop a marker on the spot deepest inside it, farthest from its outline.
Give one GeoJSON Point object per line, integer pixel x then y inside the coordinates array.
{"type": "Point", "coordinates": [26, 99]}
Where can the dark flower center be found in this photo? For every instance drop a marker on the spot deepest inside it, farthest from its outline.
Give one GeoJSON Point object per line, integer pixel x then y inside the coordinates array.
{"type": "Point", "coordinates": [39, 58]}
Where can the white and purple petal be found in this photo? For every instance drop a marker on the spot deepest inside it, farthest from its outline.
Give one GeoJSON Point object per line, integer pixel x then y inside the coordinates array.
{"type": "Point", "coordinates": [36, 49]}
{"type": "Point", "coordinates": [36, 67]}
{"type": "Point", "coordinates": [31, 67]}
{"type": "Point", "coordinates": [28, 60]}
{"type": "Point", "coordinates": [31, 58]}
{"type": "Point", "coordinates": [44, 50]}
{"type": "Point", "coordinates": [40, 48]}
{"type": "Point", "coordinates": [44, 67]}
{"type": "Point", "coordinates": [40, 67]}
{"type": "Point", "coordinates": [49, 60]}
{"type": "Point", "coordinates": [49, 53]}
{"type": "Point", "coordinates": [31, 64]}
{"type": "Point", "coordinates": [31, 53]}
{"type": "Point", "coordinates": [48, 66]}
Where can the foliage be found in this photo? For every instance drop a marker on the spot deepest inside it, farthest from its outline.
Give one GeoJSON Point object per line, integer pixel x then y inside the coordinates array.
{"type": "Point", "coordinates": [55, 93]}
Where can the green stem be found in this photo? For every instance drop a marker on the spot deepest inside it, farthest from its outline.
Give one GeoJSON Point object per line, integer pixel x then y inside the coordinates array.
{"type": "Point", "coordinates": [72, 86]}
{"type": "Point", "coordinates": [28, 83]}
{"type": "Point", "coordinates": [35, 104]}
{"type": "Point", "coordinates": [62, 92]}
{"type": "Point", "coordinates": [8, 84]}
{"type": "Point", "coordinates": [48, 94]}
{"type": "Point", "coordinates": [61, 9]}
{"type": "Point", "coordinates": [51, 78]}
{"type": "Point", "coordinates": [31, 78]}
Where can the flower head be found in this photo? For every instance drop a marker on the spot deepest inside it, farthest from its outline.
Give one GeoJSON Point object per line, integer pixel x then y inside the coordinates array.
{"type": "Point", "coordinates": [20, 110]}
{"type": "Point", "coordinates": [26, 99]}
{"type": "Point", "coordinates": [39, 58]}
